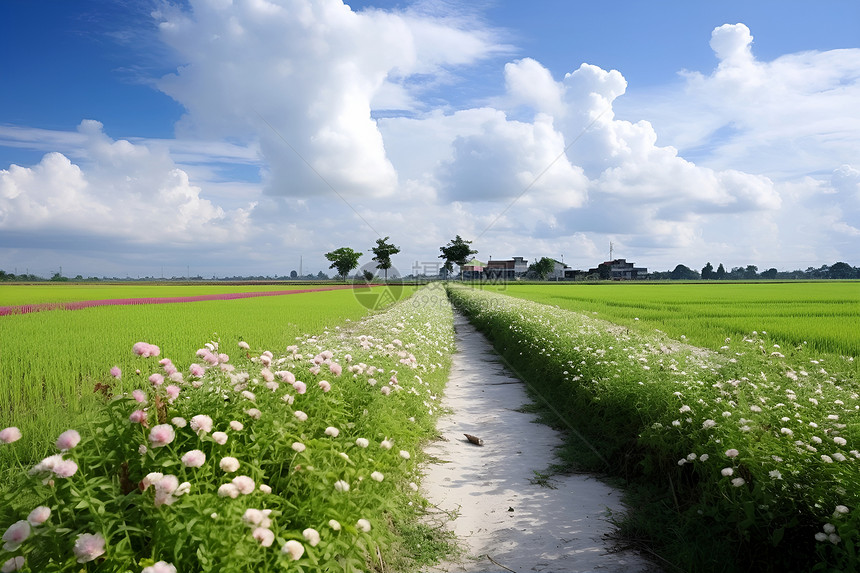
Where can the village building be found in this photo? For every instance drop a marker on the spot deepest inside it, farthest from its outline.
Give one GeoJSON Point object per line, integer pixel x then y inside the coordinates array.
{"type": "Point", "coordinates": [506, 269]}
{"type": "Point", "coordinates": [621, 270]}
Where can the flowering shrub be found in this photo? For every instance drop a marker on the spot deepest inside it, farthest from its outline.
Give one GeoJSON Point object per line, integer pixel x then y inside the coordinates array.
{"type": "Point", "coordinates": [754, 450]}
{"type": "Point", "coordinates": [246, 462]}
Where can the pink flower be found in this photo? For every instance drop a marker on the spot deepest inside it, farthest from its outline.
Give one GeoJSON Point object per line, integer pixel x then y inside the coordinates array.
{"type": "Point", "coordinates": [47, 465]}
{"type": "Point", "coordinates": [160, 567]}
{"type": "Point", "coordinates": [146, 350]}
{"type": "Point", "coordinates": [13, 564]}
{"type": "Point", "coordinates": [315, 370]}
{"type": "Point", "coordinates": [17, 533]}
{"type": "Point", "coordinates": [324, 385]}
{"type": "Point", "coordinates": [385, 390]}
{"type": "Point", "coordinates": [196, 370]}
{"type": "Point", "coordinates": [39, 516]}
{"type": "Point", "coordinates": [287, 377]}
{"type": "Point", "coordinates": [294, 549]}
{"type": "Point", "coordinates": [201, 423]}
{"type": "Point", "coordinates": [116, 372]}
{"type": "Point", "coordinates": [244, 484]}
{"type": "Point", "coordinates": [9, 435]}
{"type": "Point", "coordinates": [244, 345]}
{"type": "Point", "coordinates": [68, 440]}
{"type": "Point", "coordinates": [66, 468]}
{"type": "Point", "coordinates": [336, 369]}
{"type": "Point", "coordinates": [139, 396]}
{"type": "Point", "coordinates": [264, 536]}
{"type": "Point", "coordinates": [89, 546]}
{"type": "Point", "coordinates": [300, 387]}
{"type": "Point", "coordinates": [156, 379]}
{"type": "Point", "coordinates": [172, 392]}
{"type": "Point", "coordinates": [193, 459]}
{"type": "Point", "coordinates": [137, 417]}
{"type": "Point", "coordinates": [236, 426]}
{"type": "Point", "coordinates": [161, 435]}
{"type": "Point", "coordinates": [732, 453]}
{"type": "Point", "coordinates": [220, 438]}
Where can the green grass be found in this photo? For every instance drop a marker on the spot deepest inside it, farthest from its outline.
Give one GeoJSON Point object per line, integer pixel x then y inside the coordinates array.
{"type": "Point", "coordinates": [825, 315]}
{"type": "Point", "coordinates": [50, 361]}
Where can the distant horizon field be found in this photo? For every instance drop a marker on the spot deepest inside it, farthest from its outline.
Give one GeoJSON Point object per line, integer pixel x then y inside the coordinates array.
{"type": "Point", "coordinates": [824, 314]}
{"type": "Point", "coordinates": [25, 294]}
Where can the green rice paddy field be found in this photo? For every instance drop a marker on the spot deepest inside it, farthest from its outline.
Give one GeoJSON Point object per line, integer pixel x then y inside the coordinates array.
{"type": "Point", "coordinates": [824, 315]}
{"type": "Point", "coordinates": [50, 361]}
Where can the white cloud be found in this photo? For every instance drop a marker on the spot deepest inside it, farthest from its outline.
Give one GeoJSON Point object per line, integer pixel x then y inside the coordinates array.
{"type": "Point", "coordinates": [123, 191]}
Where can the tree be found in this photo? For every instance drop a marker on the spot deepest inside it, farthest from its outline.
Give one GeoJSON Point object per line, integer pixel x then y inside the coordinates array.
{"type": "Point", "coordinates": [751, 272]}
{"type": "Point", "coordinates": [841, 270]}
{"type": "Point", "coordinates": [456, 251]}
{"type": "Point", "coordinates": [769, 274]}
{"type": "Point", "coordinates": [707, 271]}
{"type": "Point", "coordinates": [604, 271]}
{"type": "Point", "coordinates": [294, 275]}
{"type": "Point", "coordinates": [683, 273]}
{"type": "Point", "coordinates": [720, 274]}
{"type": "Point", "coordinates": [368, 276]}
{"type": "Point", "coordinates": [344, 260]}
{"type": "Point", "coordinates": [543, 267]}
{"type": "Point", "coordinates": [382, 253]}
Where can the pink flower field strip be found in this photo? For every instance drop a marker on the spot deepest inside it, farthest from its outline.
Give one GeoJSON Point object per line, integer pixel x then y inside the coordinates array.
{"type": "Point", "coordinates": [78, 305]}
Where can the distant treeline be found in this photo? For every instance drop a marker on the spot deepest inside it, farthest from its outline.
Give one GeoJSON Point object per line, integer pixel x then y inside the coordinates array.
{"type": "Point", "coordinates": [750, 272]}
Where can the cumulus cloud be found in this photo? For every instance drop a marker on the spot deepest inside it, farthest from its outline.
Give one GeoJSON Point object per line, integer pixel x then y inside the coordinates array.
{"type": "Point", "coordinates": [123, 191]}
{"type": "Point", "coordinates": [301, 76]}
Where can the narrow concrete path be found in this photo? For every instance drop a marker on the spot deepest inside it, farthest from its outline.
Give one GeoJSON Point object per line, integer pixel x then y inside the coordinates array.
{"type": "Point", "coordinates": [505, 520]}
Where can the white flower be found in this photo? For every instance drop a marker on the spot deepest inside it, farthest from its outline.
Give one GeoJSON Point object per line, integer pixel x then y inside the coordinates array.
{"type": "Point", "coordinates": [332, 431]}
{"type": "Point", "coordinates": [193, 459]}
{"type": "Point", "coordinates": [738, 482]}
{"type": "Point", "coordinates": [385, 445]}
{"type": "Point", "coordinates": [264, 536]}
{"type": "Point", "coordinates": [312, 536]}
{"type": "Point", "coordinates": [254, 413]}
{"type": "Point", "coordinates": [362, 442]}
{"type": "Point", "coordinates": [786, 431]}
{"type": "Point", "coordinates": [363, 525]}
{"type": "Point", "coordinates": [732, 453]}
{"type": "Point", "coordinates": [179, 422]}
{"type": "Point", "coordinates": [294, 549]}
{"type": "Point", "coordinates": [708, 424]}
{"type": "Point", "coordinates": [341, 486]}
{"type": "Point", "coordinates": [376, 476]}
{"type": "Point", "coordinates": [840, 441]}
{"type": "Point", "coordinates": [13, 564]}
{"type": "Point", "coordinates": [827, 459]}
{"type": "Point", "coordinates": [841, 509]}
{"type": "Point", "coordinates": [229, 464]}
{"type": "Point", "coordinates": [413, 486]}
{"type": "Point", "coordinates": [821, 536]}
{"type": "Point", "coordinates": [301, 417]}
{"type": "Point", "coordinates": [236, 426]}
{"type": "Point", "coordinates": [219, 437]}
{"type": "Point", "coordinates": [334, 524]}
{"type": "Point", "coordinates": [727, 472]}
{"type": "Point", "coordinates": [265, 488]}
{"type": "Point", "coordinates": [829, 528]}
{"type": "Point", "coordinates": [404, 454]}
{"type": "Point", "coordinates": [298, 446]}
{"type": "Point", "coordinates": [703, 457]}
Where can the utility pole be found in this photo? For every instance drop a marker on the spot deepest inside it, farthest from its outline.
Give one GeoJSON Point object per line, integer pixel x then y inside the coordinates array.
{"type": "Point", "coordinates": [300, 266]}
{"type": "Point", "coordinates": [610, 250]}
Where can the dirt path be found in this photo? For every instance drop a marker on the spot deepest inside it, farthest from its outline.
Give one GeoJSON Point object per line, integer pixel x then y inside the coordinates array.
{"type": "Point", "coordinates": [81, 304]}
{"type": "Point", "coordinates": [505, 519]}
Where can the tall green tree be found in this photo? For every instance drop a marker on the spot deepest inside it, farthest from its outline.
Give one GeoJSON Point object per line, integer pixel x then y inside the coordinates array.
{"type": "Point", "coordinates": [720, 274]}
{"type": "Point", "coordinates": [708, 271]}
{"type": "Point", "coordinates": [456, 251]}
{"type": "Point", "coordinates": [382, 254]}
{"type": "Point", "coordinates": [543, 267]}
{"type": "Point", "coordinates": [344, 260]}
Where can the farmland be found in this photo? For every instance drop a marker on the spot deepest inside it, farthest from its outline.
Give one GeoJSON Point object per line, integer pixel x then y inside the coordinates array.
{"type": "Point", "coordinates": [826, 315]}
{"type": "Point", "coordinates": [50, 361]}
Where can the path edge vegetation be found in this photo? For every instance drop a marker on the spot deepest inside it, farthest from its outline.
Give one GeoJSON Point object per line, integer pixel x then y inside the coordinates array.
{"type": "Point", "coordinates": [411, 341]}
{"type": "Point", "coordinates": [699, 488]}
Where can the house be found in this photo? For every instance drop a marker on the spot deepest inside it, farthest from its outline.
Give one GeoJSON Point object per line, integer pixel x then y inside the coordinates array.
{"type": "Point", "coordinates": [473, 269]}
{"type": "Point", "coordinates": [557, 272]}
{"type": "Point", "coordinates": [506, 269]}
{"type": "Point", "coordinates": [621, 270]}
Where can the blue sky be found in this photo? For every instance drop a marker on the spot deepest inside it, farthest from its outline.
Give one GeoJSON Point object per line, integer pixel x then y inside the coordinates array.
{"type": "Point", "coordinates": [136, 135]}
